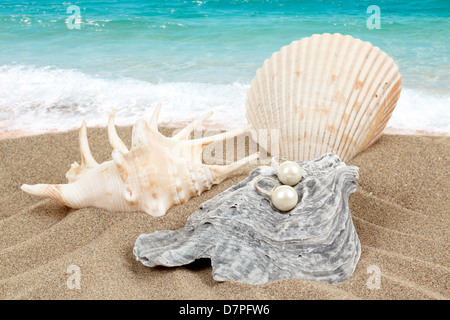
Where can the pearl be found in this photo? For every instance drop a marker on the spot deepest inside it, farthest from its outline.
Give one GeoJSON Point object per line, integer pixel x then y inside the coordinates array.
{"type": "Point", "coordinates": [284, 198]}
{"type": "Point", "coordinates": [289, 173]}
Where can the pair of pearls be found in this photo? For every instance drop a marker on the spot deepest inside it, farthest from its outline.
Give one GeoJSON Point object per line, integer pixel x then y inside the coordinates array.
{"type": "Point", "coordinates": [284, 197]}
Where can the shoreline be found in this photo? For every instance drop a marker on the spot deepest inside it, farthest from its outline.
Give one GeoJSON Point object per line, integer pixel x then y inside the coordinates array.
{"type": "Point", "coordinates": [207, 125]}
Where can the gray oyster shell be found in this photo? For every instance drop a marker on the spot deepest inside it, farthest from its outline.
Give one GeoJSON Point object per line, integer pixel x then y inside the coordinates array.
{"type": "Point", "coordinates": [250, 241]}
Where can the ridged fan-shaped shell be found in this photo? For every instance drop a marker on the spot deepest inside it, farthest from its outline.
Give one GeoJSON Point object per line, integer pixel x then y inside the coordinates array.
{"type": "Point", "coordinates": [325, 93]}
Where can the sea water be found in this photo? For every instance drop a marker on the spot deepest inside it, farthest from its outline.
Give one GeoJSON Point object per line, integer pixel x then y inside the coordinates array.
{"type": "Point", "coordinates": [64, 62]}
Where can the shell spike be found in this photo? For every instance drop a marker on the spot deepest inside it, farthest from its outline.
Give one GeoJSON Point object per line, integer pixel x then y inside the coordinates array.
{"type": "Point", "coordinates": [113, 137]}
{"type": "Point", "coordinates": [195, 146]}
{"type": "Point", "coordinates": [120, 162]}
{"type": "Point", "coordinates": [154, 119]}
{"type": "Point", "coordinates": [143, 135]}
{"type": "Point", "coordinates": [87, 160]}
{"type": "Point", "coordinates": [124, 172]}
{"type": "Point", "coordinates": [184, 133]}
{"type": "Point", "coordinates": [52, 191]}
{"type": "Point", "coordinates": [218, 137]}
{"type": "Point", "coordinates": [220, 173]}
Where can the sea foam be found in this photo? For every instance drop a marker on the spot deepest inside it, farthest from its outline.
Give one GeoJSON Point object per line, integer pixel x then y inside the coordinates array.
{"type": "Point", "coordinates": [49, 99]}
{"type": "Point", "coordinates": [38, 100]}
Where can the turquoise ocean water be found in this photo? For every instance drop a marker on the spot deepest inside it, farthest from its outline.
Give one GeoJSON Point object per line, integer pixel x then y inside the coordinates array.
{"type": "Point", "coordinates": [62, 62]}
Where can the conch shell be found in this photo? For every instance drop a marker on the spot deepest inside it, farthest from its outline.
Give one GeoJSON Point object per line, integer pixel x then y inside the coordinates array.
{"type": "Point", "coordinates": [157, 172]}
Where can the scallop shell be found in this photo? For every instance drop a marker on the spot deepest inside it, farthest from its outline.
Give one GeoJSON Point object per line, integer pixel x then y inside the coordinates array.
{"type": "Point", "coordinates": [325, 93]}
{"type": "Point", "coordinates": [157, 173]}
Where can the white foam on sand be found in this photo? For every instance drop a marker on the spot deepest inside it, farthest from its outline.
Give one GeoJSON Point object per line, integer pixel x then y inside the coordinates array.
{"type": "Point", "coordinates": [421, 111]}
{"type": "Point", "coordinates": [39, 100]}
{"type": "Point", "coordinates": [47, 99]}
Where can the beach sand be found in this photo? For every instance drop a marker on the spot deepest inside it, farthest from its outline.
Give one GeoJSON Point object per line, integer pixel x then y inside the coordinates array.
{"type": "Point", "coordinates": [400, 211]}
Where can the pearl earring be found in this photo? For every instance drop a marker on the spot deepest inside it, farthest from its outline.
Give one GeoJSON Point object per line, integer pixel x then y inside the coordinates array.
{"type": "Point", "coordinates": [284, 198]}
{"type": "Point", "coordinates": [288, 172]}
